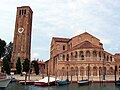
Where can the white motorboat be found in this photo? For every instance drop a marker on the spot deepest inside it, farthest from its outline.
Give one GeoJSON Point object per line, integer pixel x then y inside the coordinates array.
{"type": "Point", "coordinates": [84, 82]}
{"type": "Point", "coordinates": [45, 82]}
{"type": "Point", "coordinates": [4, 81]}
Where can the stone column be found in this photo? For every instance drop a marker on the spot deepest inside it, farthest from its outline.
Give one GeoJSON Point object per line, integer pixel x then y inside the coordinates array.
{"type": "Point", "coordinates": [91, 55]}
{"type": "Point", "coordinates": [84, 53]}
{"type": "Point", "coordinates": [97, 56]}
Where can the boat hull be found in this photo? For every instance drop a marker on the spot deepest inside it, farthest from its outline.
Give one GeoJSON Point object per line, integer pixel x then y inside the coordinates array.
{"type": "Point", "coordinates": [4, 82]}
{"type": "Point", "coordinates": [27, 82]}
{"type": "Point", "coordinates": [84, 82]}
{"type": "Point", "coordinates": [118, 83]}
{"type": "Point", "coordinates": [62, 82]}
{"type": "Point", "coordinates": [44, 84]}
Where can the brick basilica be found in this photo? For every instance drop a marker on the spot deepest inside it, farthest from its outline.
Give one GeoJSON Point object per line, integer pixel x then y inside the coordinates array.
{"type": "Point", "coordinates": [79, 55]}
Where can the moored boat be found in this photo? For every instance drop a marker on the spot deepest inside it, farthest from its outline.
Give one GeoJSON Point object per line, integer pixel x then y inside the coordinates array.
{"type": "Point", "coordinates": [117, 82]}
{"type": "Point", "coordinates": [28, 82]}
{"type": "Point", "coordinates": [4, 81]}
{"type": "Point", "coordinates": [84, 82]}
{"type": "Point", "coordinates": [13, 80]}
{"type": "Point", "coordinates": [63, 82]}
{"type": "Point", "coordinates": [45, 81]}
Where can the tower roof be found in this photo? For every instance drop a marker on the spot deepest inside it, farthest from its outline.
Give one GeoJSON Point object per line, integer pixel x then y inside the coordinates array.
{"type": "Point", "coordinates": [25, 7]}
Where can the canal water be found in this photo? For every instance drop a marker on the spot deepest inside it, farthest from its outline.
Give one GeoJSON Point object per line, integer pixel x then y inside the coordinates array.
{"type": "Point", "coordinates": [74, 86]}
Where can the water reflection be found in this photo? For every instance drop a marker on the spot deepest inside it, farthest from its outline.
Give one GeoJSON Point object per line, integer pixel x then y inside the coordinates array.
{"type": "Point", "coordinates": [74, 86]}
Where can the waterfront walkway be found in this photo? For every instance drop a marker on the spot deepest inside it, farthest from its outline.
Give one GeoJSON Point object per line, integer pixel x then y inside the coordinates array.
{"type": "Point", "coordinates": [73, 78]}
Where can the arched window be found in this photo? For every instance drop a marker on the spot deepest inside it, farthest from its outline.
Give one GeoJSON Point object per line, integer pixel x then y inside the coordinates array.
{"type": "Point", "coordinates": [107, 58]}
{"type": "Point", "coordinates": [111, 71]}
{"type": "Point", "coordinates": [81, 55]}
{"type": "Point", "coordinates": [67, 58]}
{"type": "Point", "coordinates": [63, 47]}
{"type": "Point", "coordinates": [76, 70]}
{"type": "Point", "coordinates": [94, 71]}
{"type": "Point", "coordinates": [82, 71]}
{"type": "Point", "coordinates": [63, 71]}
{"type": "Point", "coordinates": [72, 71]}
{"type": "Point", "coordinates": [76, 54]}
{"type": "Point", "coordinates": [87, 53]}
{"type": "Point", "coordinates": [63, 57]}
{"type": "Point", "coordinates": [111, 58]}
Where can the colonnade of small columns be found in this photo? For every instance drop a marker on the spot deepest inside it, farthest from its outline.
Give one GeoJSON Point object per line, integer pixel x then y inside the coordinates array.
{"type": "Point", "coordinates": [83, 71]}
{"type": "Point", "coordinates": [94, 55]}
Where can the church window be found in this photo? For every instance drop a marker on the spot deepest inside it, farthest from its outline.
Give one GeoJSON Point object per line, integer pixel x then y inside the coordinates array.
{"type": "Point", "coordinates": [111, 58]}
{"type": "Point", "coordinates": [94, 54]}
{"type": "Point", "coordinates": [107, 58]}
{"type": "Point", "coordinates": [63, 57]}
{"type": "Point", "coordinates": [67, 57]}
{"type": "Point", "coordinates": [82, 57]}
{"type": "Point", "coordinates": [63, 47]}
{"type": "Point", "coordinates": [88, 54]}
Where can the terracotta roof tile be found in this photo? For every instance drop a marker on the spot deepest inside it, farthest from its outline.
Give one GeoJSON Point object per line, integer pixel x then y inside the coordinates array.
{"type": "Point", "coordinates": [85, 44]}
{"type": "Point", "coordinates": [61, 39]}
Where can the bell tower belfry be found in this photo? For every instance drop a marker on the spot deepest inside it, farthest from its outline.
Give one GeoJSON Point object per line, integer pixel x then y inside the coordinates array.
{"type": "Point", "coordinates": [22, 35]}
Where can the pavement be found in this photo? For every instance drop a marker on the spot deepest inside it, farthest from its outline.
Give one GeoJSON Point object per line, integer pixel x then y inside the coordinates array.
{"type": "Point", "coordinates": [71, 78]}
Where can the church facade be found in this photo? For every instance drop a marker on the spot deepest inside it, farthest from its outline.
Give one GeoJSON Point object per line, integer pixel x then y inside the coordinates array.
{"type": "Point", "coordinates": [81, 55]}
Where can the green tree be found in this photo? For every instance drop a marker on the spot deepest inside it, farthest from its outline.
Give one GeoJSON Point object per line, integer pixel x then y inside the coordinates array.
{"type": "Point", "coordinates": [6, 65]}
{"type": "Point", "coordinates": [36, 67]}
{"type": "Point", "coordinates": [26, 67]}
{"type": "Point", "coordinates": [2, 48]}
{"type": "Point", "coordinates": [18, 66]}
{"type": "Point", "coordinates": [8, 50]}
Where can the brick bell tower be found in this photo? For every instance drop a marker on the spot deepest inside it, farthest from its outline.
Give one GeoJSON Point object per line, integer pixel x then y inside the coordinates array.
{"type": "Point", "coordinates": [22, 35]}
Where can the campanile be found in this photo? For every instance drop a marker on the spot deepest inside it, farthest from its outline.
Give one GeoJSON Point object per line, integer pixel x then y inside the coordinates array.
{"type": "Point", "coordinates": [22, 34]}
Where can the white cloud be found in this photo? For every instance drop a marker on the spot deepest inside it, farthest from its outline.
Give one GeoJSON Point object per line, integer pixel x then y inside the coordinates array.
{"type": "Point", "coordinates": [105, 41]}
{"type": "Point", "coordinates": [114, 49]}
{"type": "Point", "coordinates": [64, 18]}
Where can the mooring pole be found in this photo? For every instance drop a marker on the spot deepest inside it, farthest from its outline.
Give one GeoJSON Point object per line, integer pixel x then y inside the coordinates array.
{"type": "Point", "coordinates": [115, 73]}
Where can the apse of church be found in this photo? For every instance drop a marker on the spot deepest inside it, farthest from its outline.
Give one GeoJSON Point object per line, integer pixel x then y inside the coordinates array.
{"type": "Point", "coordinates": [74, 56]}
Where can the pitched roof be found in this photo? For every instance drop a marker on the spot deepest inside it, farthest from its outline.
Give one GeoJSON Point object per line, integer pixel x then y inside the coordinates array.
{"type": "Point", "coordinates": [88, 34]}
{"type": "Point", "coordinates": [85, 44]}
{"type": "Point", "coordinates": [57, 39]}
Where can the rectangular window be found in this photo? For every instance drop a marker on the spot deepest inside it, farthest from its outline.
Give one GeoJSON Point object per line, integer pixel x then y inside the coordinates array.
{"type": "Point", "coordinates": [20, 12]}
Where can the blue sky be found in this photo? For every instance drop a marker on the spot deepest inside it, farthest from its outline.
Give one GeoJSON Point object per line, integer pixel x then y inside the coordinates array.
{"type": "Point", "coordinates": [64, 18]}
